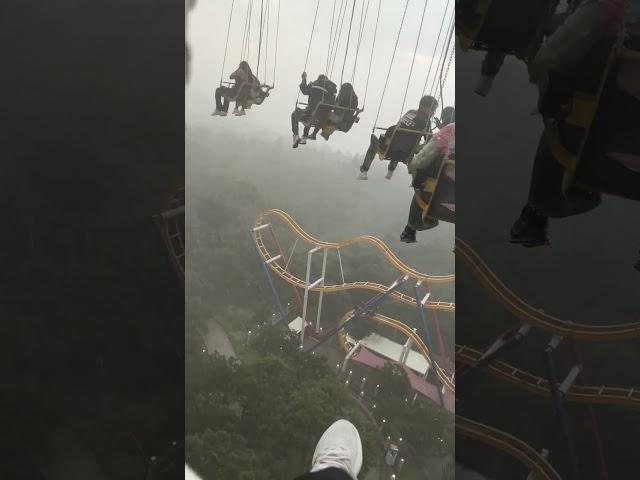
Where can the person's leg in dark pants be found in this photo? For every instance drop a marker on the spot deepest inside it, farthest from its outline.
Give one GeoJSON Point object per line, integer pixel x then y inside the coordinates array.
{"type": "Point", "coordinates": [218, 96]}
{"type": "Point", "coordinates": [294, 122]}
{"type": "Point", "coordinates": [491, 65]}
{"type": "Point", "coordinates": [366, 164]}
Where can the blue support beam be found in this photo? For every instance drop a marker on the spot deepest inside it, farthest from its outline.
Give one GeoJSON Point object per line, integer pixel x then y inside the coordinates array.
{"type": "Point", "coordinates": [266, 271]}
{"type": "Point", "coordinates": [361, 310]}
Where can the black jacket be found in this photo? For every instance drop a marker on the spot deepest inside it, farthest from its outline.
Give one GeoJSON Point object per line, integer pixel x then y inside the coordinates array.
{"type": "Point", "coordinates": [323, 91]}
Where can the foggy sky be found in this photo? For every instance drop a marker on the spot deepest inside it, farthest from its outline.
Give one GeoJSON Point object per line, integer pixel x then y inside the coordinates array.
{"type": "Point", "coordinates": [207, 33]}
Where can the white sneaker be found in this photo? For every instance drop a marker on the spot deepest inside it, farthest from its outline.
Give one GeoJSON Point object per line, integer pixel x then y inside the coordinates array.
{"type": "Point", "coordinates": [303, 141]}
{"type": "Point", "coordinates": [362, 176]}
{"type": "Point", "coordinates": [219, 113]}
{"type": "Point", "coordinates": [389, 174]}
{"type": "Point", "coordinates": [484, 86]}
{"type": "Point", "coordinates": [296, 140]}
{"type": "Point", "coordinates": [339, 447]}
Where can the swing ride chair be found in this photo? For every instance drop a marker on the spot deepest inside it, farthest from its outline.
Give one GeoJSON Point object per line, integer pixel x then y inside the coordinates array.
{"type": "Point", "coordinates": [256, 96]}
{"type": "Point", "coordinates": [584, 105]}
{"type": "Point", "coordinates": [384, 154]}
{"type": "Point", "coordinates": [331, 123]}
{"type": "Point", "coordinates": [431, 186]}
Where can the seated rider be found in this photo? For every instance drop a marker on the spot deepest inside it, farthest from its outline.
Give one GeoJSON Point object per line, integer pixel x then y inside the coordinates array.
{"type": "Point", "coordinates": [426, 163]}
{"type": "Point", "coordinates": [342, 119]}
{"type": "Point", "coordinates": [321, 91]}
{"type": "Point", "coordinates": [400, 145]}
{"type": "Point", "coordinates": [242, 76]}
{"type": "Point", "coordinates": [615, 126]}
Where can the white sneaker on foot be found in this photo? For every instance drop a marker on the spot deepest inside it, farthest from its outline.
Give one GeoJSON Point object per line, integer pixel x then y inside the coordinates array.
{"type": "Point", "coordinates": [389, 174]}
{"type": "Point", "coordinates": [219, 113]}
{"type": "Point", "coordinates": [339, 447]}
{"type": "Point", "coordinates": [362, 176]}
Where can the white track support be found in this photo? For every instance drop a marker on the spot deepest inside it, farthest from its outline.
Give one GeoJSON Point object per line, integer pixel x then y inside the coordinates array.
{"type": "Point", "coordinates": [568, 382]}
{"type": "Point", "coordinates": [533, 475]}
{"type": "Point", "coordinates": [554, 342]}
{"type": "Point", "coordinates": [324, 269]}
{"type": "Point", "coordinates": [340, 263]}
{"type": "Point", "coordinates": [307, 287]}
{"type": "Point", "coordinates": [261, 227]}
{"type": "Point", "coordinates": [404, 356]}
{"type": "Point", "coordinates": [348, 356]}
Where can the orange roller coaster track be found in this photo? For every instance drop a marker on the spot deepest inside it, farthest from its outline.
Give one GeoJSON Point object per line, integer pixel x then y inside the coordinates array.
{"type": "Point", "coordinates": [617, 396]}
{"type": "Point", "coordinates": [508, 444]}
{"type": "Point", "coordinates": [535, 317]}
{"type": "Point", "coordinates": [281, 271]}
{"type": "Point", "coordinates": [398, 325]}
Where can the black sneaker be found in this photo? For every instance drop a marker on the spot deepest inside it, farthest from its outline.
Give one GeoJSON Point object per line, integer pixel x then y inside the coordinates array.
{"type": "Point", "coordinates": [408, 235]}
{"type": "Point", "coordinates": [530, 230]}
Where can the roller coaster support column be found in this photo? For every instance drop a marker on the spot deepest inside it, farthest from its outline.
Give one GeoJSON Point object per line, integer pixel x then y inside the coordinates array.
{"type": "Point", "coordinates": [544, 453]}
{"type": "Point", "coordinates": [593, 423]}
{"type": "Point", "coordinates": [307, 288]}
{"type": "Point", "coordinates": [419, 304]}
{"type": "Point", "coordinates": [502, 344]}
{"type": "Point", "coordinates": [324, 269]}
{"type": "Point", "coordinates": [365, 310]}
{"type": "Point", "coordinates": [556, 396]}
{"type": "Point", "coordinates": [348, 356]}
{"type": "Point", "coordinates": [266, 271]}
{"type": "Point", "coordinates": [285, 259]}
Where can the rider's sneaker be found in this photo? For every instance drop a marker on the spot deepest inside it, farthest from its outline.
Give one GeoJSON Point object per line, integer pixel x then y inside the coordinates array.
{"type": "Point", "coordinates": [408, 235]}
{"type": "Point", "coordinates": [303, 141]}
{"type": "Point", "coordinates": [530, 229]}
{"type": "Point", "coordinates": [339, 447]}
{"type": "Point", "coordinates": [219, 113]}
{"type": "Point", "coordinates": [239, 112]}
{"type": "Point", "coordinates": [362, 176]}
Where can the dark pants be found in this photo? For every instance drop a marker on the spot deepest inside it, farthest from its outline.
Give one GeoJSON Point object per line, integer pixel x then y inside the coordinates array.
{"type": "Point", "coordinates": [305, 115]}
{"type": "Point", "coordinates": [297, 116]}
{"type": "Point", "coordinates": [393, 155]}
{"type": "Point", "coordinates": [222, 94]}
{"type": "Point", "coordinates": [492, 63]}
{"type": "Point", "coordinates": [415, 221]}
{"type": "Point", "coordinates": [326, 474]}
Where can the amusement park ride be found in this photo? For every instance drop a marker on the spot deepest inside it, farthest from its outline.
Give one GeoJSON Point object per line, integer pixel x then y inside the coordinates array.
{"type": "Point", "coordinates": [570, 106]}
{"type": "Point", "coordinates": [469, 361]}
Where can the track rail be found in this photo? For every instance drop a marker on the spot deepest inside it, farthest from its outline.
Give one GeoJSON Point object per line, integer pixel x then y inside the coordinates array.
{"type": "Point", "coordinates": [535, 317]}
{"type": "Point", "coordinates": [398, 325]}
{"type": "Point", "coordinates": [283, 273]}
{"type": "Point", "coordinates": [508, 444]}
{"type": "Point", "coordinates": [616, 396]}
